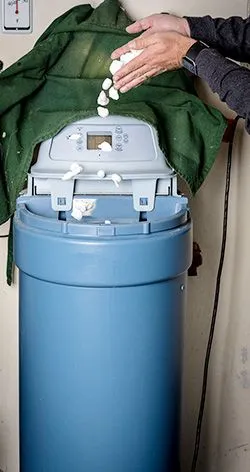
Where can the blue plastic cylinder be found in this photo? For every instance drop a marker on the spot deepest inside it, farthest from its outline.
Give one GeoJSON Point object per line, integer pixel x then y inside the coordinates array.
{"type": "Point", "coordinates": [101, 313]}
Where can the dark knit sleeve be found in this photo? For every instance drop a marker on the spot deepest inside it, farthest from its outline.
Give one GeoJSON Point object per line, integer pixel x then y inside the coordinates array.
{"type": "Point", "coordinates": [229, 80]}
{"type": "Point", "coordinates": [231, 37]}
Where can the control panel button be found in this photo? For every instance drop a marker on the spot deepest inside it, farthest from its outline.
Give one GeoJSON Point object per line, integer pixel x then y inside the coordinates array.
{"type": "Point", "coordinates": [118, 147]}
{"type": "Point", "coordinates": [118, 129]}
{"type": "Point", "coordinates": [119, 137]}
{"type": "Point", "coordinates": [125, 138]}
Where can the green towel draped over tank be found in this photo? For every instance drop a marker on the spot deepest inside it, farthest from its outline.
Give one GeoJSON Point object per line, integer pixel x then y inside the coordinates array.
{"type": "Point", "coordinates": [59, 80]}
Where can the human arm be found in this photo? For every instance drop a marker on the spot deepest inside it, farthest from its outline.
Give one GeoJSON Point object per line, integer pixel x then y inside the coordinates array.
{"type": "Point", "coordinates": [229, 80]}
{"type": "Point", "coordinates": [165, 51]}
{"type": "Point", "coordinates": [231, 37]}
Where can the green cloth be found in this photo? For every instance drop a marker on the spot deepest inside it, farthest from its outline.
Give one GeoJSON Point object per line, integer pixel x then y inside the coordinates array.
{"type": "Point", "coordinates": [59, 80]}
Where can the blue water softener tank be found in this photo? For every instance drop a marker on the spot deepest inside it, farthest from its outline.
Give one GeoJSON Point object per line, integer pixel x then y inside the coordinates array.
{"type": "Point", "coordinates": [103, 243]}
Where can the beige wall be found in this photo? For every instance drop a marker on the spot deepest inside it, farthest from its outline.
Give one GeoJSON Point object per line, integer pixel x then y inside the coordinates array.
{"type": "Point", "coordinates": [226, 435]}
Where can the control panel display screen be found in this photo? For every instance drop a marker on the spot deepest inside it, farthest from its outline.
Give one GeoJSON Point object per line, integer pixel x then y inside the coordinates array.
{"type": "Point", "coordinates": [94, 140]}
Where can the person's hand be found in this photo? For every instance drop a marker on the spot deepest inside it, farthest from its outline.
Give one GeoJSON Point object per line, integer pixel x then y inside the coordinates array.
{"type": "Point", "coordinates": [160, 22]}
{"type": "Point", "coordinates": [161, 52]}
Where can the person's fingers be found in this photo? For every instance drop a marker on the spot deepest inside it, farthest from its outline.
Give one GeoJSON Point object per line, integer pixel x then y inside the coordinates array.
{"type": "Point", "coordinates": [138, 72]}
{"type": "Point", "coordinates": [139, 25]}
{"type": "Point", "coordinates": [139, 43]}
{"type": "Point", "coordinates": [148, 32]}
{"type": "Point", "coordinates": [132, 66]}
{"type": "Point", "coordinates": [122, 50]}
{"type": "Point", "coordinates": [139, 80]}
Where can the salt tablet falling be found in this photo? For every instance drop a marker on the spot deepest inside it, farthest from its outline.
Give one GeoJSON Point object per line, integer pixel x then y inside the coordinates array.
{"type": "Point", "coordinates": [101, 174]}
{"type": "Point", "coordinates": [128, 56]}
{"type": "Point", "coordinates": [106, 84]}
{"type": "Point", "coordinates": [104, 146]}
{"type": "Point", "coordinates": [77, 214]}
{"type": "Point", "coordinates": [116, 179]}
{"type": "Point", "coordinates": [75, 168]}
{"type": "Point", "coordinates": [115, 66]}
{"type": "Point", "coordinates": [102, 112]}
{"type": "Point", "coordinates": [125, 58]}
{"type": "Point", "coordinates": [75, 136]}
{"type": "Point", "coordinates": [136, 52]}
{"type": "Point", "coordinates": [113, 93]}
{"type": "Point", "coordinates": [103, 99]}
